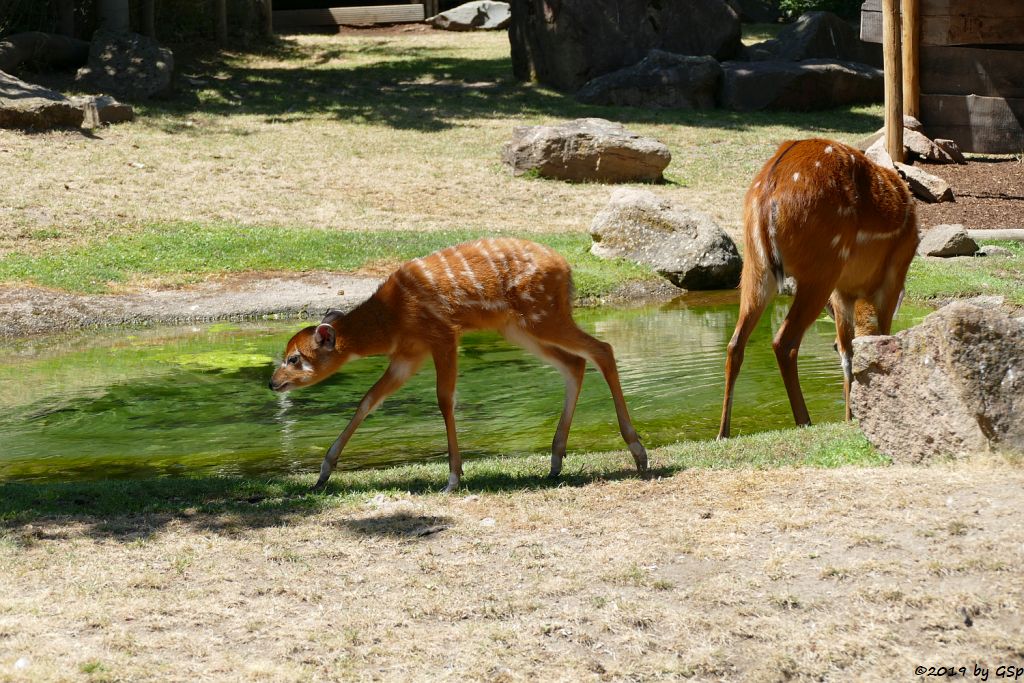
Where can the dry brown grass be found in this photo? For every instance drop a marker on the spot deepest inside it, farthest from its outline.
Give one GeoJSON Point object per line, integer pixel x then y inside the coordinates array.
{"type": "Point", "coordinates": [849, 574]}
{"type": "Point", "coordinates": [354, 132]}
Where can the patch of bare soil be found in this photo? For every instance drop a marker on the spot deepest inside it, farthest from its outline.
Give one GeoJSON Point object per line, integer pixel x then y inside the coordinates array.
{"type": "Point", "coordinates": [823, 575]}
{"type": "Point", "coordinates": [989, 194]}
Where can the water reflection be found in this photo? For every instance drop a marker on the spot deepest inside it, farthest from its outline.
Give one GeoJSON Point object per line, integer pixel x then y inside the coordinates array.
{"type": "Point", "coordinates": [139, 403]}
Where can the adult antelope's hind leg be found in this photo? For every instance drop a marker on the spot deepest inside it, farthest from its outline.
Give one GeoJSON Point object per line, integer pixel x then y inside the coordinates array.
{"type": "Point", "coordinates": [572, 368]}
{"type": "Point", "coordinates": [393, 378]}
{"type": "Point", "coordinates": [577, 342]}
{"type": "Point", "coordinates": [807, 305]}
{"type": "Point", "coordinates": [446, 365]}
{"type": "Point", "coordinates": [754, 297]}
{"type": "Point", "coordinates": [843, 308]}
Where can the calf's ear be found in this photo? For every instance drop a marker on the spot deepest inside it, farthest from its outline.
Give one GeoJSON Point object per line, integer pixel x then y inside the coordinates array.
{"type": "Point", "coordinates": [324, 336]}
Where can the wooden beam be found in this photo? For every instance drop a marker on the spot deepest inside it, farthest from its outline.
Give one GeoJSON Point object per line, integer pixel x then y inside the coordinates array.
{"type": "Point", "coordinates": [891, 56]}
{"type": "Point", "coordinates": [911, 24]}
{"type": "Point", "coordinates": [987, 125]}
{"type": "Point", "coordinates": [955, 23]}
{"type": "Point", "coordinates": [972, 71]}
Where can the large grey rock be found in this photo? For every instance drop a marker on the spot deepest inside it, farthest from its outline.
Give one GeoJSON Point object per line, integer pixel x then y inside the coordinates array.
{"type": "Point", "coordinates": [924, 185]}
{"type": "Point", "coordinates": [127, 65]}
{"type": "Point", "coordinates": [583, 150]}
{"type": "Point", "coordinates": [661, 79]}
{"type": "Point", "coordinates": [811, 84]}
{"type": "Point", "coordinates": [107, 109]}
{"type": "Point", "coordinates": [946, 241]}
{"type": "Point", "coordinates": [759, 11]}
{"type": "Point", "coordinates": [28, 106]}
{"type": "Point", "coordinates": [566, 43]}
{"type": "Point", "coordinates": [920, 146]}
{"type": "Point", "coordinates": [681, 244]}
{"type": "Point", "coordinates": [952, 386]}
{"type": "Point", "coordinates": [817, 35]}
{"type": "Point", "coordinates": [483, 15]}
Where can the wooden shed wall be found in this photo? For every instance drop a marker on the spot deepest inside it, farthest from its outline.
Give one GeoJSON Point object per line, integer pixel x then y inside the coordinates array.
{"type": "Point", "coordinates": [971, 70]}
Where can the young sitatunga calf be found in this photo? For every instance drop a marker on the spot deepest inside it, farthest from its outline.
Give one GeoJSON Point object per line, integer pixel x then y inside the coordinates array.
{"type": "Point", "coordinates": [519, 288]}
{"type": "Point", "coordinates": [846, 230]}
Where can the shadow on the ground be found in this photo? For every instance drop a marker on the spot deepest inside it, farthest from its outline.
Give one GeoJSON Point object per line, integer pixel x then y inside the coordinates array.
{"type": "Point", "coordinates": [129, 509]}
{"type": "Point", "coordinates": [417, 87]}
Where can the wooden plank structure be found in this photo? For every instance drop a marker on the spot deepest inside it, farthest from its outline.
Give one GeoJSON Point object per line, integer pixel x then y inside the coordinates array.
{"type": "Point", "coordinates": [968, 80]}
{"type": "Point", "coordinates": [333, 17]}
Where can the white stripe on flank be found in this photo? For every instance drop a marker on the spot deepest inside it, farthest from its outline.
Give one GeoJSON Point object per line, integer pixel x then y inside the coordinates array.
{"type": "Point", "coordinates": [863, 237]}
{"type": "Point", "coordinates": [482, 246]}
{"type": "Point", "coordinates": [450, 273]}
{"type": "Point", "coordinates": [427, 275]}
{"type": "Point", "coordinates": [835, 241]}
{"type": "Point", "coordinates": [469, 272]}
{"type": "Point", "coordinates": [524, 274]}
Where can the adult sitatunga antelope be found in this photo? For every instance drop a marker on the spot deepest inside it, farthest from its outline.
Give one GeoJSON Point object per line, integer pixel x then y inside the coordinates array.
{"type": "Point", "coordinates": [846, 230]}
{"type": "Point", "coordinates": [519, 288]}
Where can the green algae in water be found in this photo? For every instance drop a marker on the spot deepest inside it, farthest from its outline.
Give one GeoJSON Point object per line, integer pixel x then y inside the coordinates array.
{"type": "Point", "coordinates": [195, 400]}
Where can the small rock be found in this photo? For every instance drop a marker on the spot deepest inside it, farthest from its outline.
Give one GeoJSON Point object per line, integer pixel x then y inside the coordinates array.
{"type": "Point", "coordinates": [685, 246]}
{"type": "Point", "coordinates": [909, 123]}
{"type": "Point", "coordinates": [993, 250]}
{"type": "Point", "coordinates": [108, 109]}
{"type": "Point", "coordinates": [22, 663]}
{"type": "Point", "coordinates": [952, 149]}
{"type": "Point", "coordinates": [946, 241]}
{"type": "Point", "coordinates": [585, 150]}
{"type": "Point", "coordinates": [879, 154]}
{"type": "Point", "coordinates": [924, 185]}
{"type": "Point", "coordinates": [488, 521]}
{"type": "Point", "coordinates": [919, 144]}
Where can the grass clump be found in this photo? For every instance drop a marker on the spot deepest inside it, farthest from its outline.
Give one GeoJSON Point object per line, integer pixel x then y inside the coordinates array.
{"type": "Point", "coordinates": [197, 250]}
{"type": "Point", "coordinates": [277, 498]}
{"type": "Point", "coordinates": [965, 277]}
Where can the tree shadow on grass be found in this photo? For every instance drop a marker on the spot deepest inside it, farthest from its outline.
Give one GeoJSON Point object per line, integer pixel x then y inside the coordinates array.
{"type": "Point", "coordinates": [425, 88]}
{"type": "Point", "coordinates": [130, 509]}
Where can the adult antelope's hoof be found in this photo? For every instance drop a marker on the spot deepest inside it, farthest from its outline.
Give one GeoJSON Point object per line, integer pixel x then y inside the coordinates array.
{"type": "Point", "coordinates": [453, 484]}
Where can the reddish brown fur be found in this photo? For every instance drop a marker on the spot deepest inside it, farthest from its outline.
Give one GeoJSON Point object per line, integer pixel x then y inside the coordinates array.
{"type": "Point", "coordinates": [845, 229]}
{"type": "Point", "coordinates": [520, 288]}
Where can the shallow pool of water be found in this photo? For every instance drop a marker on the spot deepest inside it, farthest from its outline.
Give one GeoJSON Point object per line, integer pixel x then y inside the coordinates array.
{"type": "Point", "coordinates": [137, 403]}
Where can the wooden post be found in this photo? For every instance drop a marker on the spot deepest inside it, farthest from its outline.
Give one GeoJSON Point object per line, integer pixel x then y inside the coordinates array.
{"type": "Point", "coordinates": [911, 61]}
{"type": "Point", "coordinates": [267, 19]}
{"type": "Point", "coordinates": [220, 13]}
{"type": "Point", "coordinates": [147, 18]}
{"type": "Point", "coordinates": [891, 55]}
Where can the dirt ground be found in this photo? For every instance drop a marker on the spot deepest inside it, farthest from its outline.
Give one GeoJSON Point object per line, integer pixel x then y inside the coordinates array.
{"type": "Point", "coordinates": [825, 575]}
{"type": "Point", "coordinates": [989, 194]}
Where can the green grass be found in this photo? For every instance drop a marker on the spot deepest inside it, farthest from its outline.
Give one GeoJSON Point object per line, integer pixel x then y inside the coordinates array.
{"type": "Point", "coordinates": [829, 445]}
{"type": "Point", "coordinates": [197, 250]}
{"type": "Point", "coordinates": [964, 277]}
